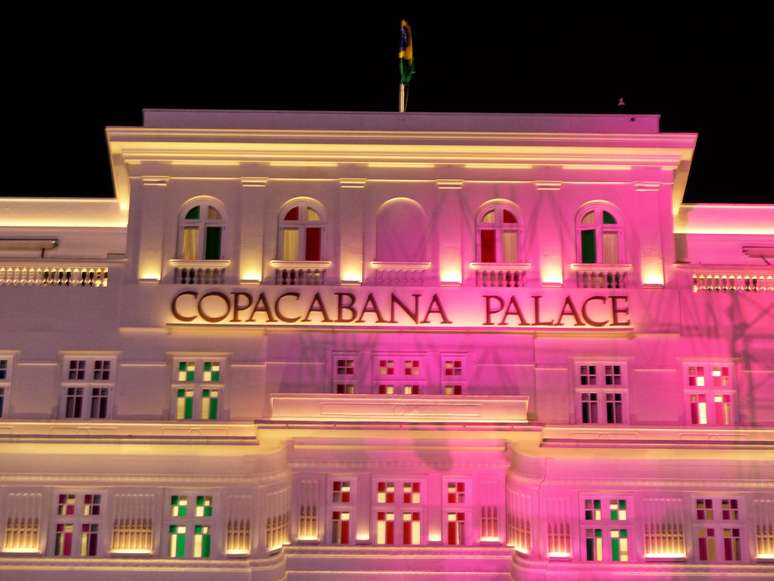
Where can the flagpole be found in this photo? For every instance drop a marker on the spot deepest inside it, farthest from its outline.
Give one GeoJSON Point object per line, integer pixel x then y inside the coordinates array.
{"type": "Point", "coordinates": [402, 99]}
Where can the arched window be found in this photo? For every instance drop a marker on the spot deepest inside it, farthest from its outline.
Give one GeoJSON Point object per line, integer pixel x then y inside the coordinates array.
{"type": "Point", "coordinates": [301, 227]}
{"type": "Point", "coordinates": [200, 232]}
{"type": "Point", "coordinates": [401, 231]}
{"type": "Point", "coordinates": [497, 233]}
{"type": "Point", "coordinates": [599, 236]}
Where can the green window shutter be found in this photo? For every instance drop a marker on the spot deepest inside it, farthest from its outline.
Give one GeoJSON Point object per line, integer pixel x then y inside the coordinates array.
{"type": "Point", "coordinates": [607, 218]}
{"type": "Point", "coordinates": [589, 549]}
{"type": "Point", "coordinates": [206, 546]}
{"type": "Point", "coordinates": [193, 213]}
{"type": "Point", "coordinates": [615, 549]}
{"type": "Point", "coordinates": [212, 250]}
{"type": "Point", "coordinates": [180, 549]}
{"type": "Point", "coordinates": [588, 246]}
{"type": "Point", "coordinates": [214, 406]}
{"type": "Point", "coordinates": [188, 407]}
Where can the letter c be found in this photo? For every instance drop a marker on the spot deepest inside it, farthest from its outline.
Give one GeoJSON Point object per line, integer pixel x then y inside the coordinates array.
{"type": "Point", "coordinates": [586, 316]}
{"type": "Point", "coordinates": [176, 312]}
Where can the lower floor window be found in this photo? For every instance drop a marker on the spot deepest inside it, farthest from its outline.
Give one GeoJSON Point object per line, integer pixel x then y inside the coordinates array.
{"type": "Point", "coordinates": [340, 528]}
{"type": "Point", "coordinates": [177, 541]}
{"type": "Point", "coordinates": [601, 407]}
{"type": "Point", "coordinates": [2, 400]}
{"type": "Point", "coordinates": [707, 544]}
{"type": "Point", "coordinates": [201, 404]}
{"type": "Point", "coordinates": [618, 543]}
{"type": "Point", "coordinates": [201, 548]}
{"type": "Point", "coordinates": [455, 531]}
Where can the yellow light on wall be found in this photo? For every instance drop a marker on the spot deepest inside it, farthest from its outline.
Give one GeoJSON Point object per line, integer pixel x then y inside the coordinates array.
{"type": "Point", "coordinates": [652, 272]}
{"type": "Point", "coordinates": [451, 275]}
{"type": "Point", "coordinates": [551, 273]}
{"type": "Point", "coordinates": [250, 277]}
{"type": "Point", "coordinates": [559, 555]}
{"type": "Point", "coordinates": [150, 274]}
{"type": "Point", "coordinates": [666, 555]}
{"type": "Point", "coordinates": [363, 537]}
{"type": "Point", "coordinates": [434, 537]}
{"type": "Point", "coordinates": [490, 539]}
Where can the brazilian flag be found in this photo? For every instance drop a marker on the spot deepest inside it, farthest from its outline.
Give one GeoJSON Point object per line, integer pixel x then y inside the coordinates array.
{"type": "Point", "coordinates": [406, 54]}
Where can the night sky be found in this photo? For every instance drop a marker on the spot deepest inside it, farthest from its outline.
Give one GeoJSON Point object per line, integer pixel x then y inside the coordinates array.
{"type": "Point", "coordinates": [709, 70]}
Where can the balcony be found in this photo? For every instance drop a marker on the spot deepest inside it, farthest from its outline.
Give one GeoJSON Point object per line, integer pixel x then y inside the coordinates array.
{"type": "Point", "coordinates": [505, 274]}
{"type": "Point", "coordinates": [199, 271]}
{"type": "Point", "coordinates": [300, 272]}
{"type": "Point", "coordinates": [400, 273]}
{"type": "Point", "coordinates": [732, 282]}
{"type": "Point", "coordinates": [602, 275]}
{"type": "Point", "coordinates": [61, 275]}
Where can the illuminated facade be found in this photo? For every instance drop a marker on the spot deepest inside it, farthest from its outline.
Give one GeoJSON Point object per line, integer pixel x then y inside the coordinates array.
{"type": "Point", "coordinates": [314, 345]}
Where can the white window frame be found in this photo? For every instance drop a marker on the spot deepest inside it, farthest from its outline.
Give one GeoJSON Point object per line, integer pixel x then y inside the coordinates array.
{"type": "Point", "coordinates": [78, 519]}
{"type": "Point", "coordinates": [190, 520]}
{"type": "Point", "coordinates": [301, 225]}
{"type": "Point", "coordinates": [355, 380]}
{"type": "Point", "coordinates": [400, 379]}
{"type": "Point", "coordinates": [199, 385]}
{"type": "Point", "coordinates": [600, 228]}
{"type": "Point", "coordinates": [743, 523]}
{"type": "Point", "coordinates": [341, 506]}
{"type": "Point", "coordinates": [710, 392]}
{"type": "Point", "coordinates": [465, 507]}
{"type": "Point", "coordinates": [607, 524]}
{"type": "Point", "coordinates": [499, 226]}
{"type": "Point", "coordinates": [201, 223]}
{"type": "Point", "coordinates": [88, 384]}
{"type": "Point", "coordinates": [601, 389]}
{"type": "Point", "coordinates": [399, 508]}
{"type": "Point", "coordinates": [461, 380]}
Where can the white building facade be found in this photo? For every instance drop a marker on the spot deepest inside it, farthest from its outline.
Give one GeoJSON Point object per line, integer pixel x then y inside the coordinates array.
{"type": "Point", "coordinates": [303, 345]}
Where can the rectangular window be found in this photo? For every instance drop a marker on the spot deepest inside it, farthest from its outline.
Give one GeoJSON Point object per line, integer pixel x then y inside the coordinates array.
{"type": "Point", "coordinates": [399, 375]}
{"type": "Point", "coordinates": [610, 247]}
{"type": "Point", "coordinates": [186, 371]}
{"type": "Point", "coordinates": [594, 543]}
{"type": "Point", "coordinates": [313, 243]}
{"type": "Point", "coordinates": [89, 535]}
{"type": "Point", "coordinates": [709, 393]}
{"type": "Point", "coordinates": [2, 401]}
{"type": "Point", "coordinates": [589, 405]}
{"type": "Point", "coordinates": [91, 504]}
{"type": "Point", "coordinates": [340, 528]}
{"type": "Point", "coordinates": [706, 538]}
{"type": "Point", "coordinates": [73, 402]}
{"type": "Point", "coordinates": [212, 249]}
{"type": "Point", "coordinates": [510, 245]}
{"type": "Point", "coordinates": [452, 389]}
{"type": "Point", "coordinates": [177, 541]}
{"type": "Point", "coordinates": [411, 493]}
{"type": "Point", "coordinates": [732, 550]}
{"type": "Point", "coordinates": [290, 244]}
{"type": "Point", "coordinates": [455, 528]}
{"type": "Point", "coordinates": [3, 369]}
{"type": "Point", "coordinates": [344, 378]}
{"type": "Point", "coordinates": [411, 528]}
{"type": "Point", "coordinates": [342, 490]}
{"type": "Point", "coordinates": [453, 375]}
{"type": "Point", "coordinates": [201, 549]}
{"type": "Point", "coordinates": [99, 403]}
{"type": "Point", "coordinates": [179, 506]}
{"type": "Point", "coordinates": [618, 509]}
{"type": "Point", "coordinates": [190, 243]}
{"type": "Point", "coordinates": [588, 375]}
{"type": "Point", "coordinates": [592, 509]}
{"type": "Point", "coordinates": [729, 509]}
{"type": "Point", "coordinates": [488, 252]}
{"type": "Point", "coordinates": [619, 545]}
{"type": "Point", "coordinates": [455, 492]}
{"type": "Point", "coordinates": [614, 408]}
{"type": "Point", "coordinates": [63, 542]}
{"type": "Point", "coordinates": [385, 492]}
{"type": "Point", "coordinates": [385, 528]}
{"type": "Point", "coordinates": [76, 370]}
{"type": "Point", "coordinates": [210, 404]}
{"type": "Point", "coordinates": [184, 409]}
{"type": "Point", "coordinates": [588, 246]}
{"type": "Point", "coordinates": [203, 506]}
{"type": "Point", "coordinates": [211, 371]}
{"type": "Point", "coordinates": [101, 370]}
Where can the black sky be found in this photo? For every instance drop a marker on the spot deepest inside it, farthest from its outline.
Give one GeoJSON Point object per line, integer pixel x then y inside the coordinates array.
{"type": "Point", "coordinates": [67, 75]}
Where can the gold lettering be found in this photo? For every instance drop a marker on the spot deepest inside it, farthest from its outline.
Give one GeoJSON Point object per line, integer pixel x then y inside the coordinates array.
{"type": "Point", "coordinates": [176, 312]}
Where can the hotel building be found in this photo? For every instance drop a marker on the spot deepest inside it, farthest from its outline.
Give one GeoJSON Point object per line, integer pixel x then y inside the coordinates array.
{"type": "Point", "coordinates": [321, 346]}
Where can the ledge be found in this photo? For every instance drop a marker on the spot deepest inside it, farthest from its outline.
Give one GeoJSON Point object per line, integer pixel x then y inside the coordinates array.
{"type": "Point", "coordinates": [301, 264]}
{"type": "Point", "coordinates": [406, 266]}
{"type": "Point", "coordinates": [399, 408]}
{"type": "Point", "coordinates": [181, 263]}
{"type": "Point", "coordinates": [501, 266]}
{"type": "Point", "coordinates": [600, 267]}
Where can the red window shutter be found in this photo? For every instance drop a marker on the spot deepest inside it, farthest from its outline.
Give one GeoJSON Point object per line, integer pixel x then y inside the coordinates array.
{"type": "Point", "coordinates": [313, 243]}
{"type": "Point", "coordinates": [488, 246]}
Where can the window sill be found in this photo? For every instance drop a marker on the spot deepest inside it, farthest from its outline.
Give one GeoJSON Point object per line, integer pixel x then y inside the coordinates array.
{"type": "Point", "coordinates": [404, 266]}
{"type": "Point", "coordinates": [290, 264]}
{"type": "Point", "coordinates": [501, 266]}
{"type": "Point", "coordinates": [182, 263]}
{"type": "Point", "coordinates": [600, 267]}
